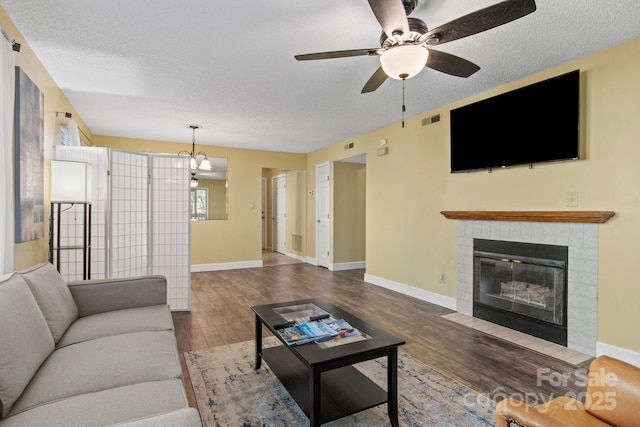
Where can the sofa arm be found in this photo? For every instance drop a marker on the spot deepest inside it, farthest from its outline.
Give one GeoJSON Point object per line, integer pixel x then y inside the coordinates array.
{"type": "Point", "coordinates": [613, 393]}
{"type": "Point", "coordinates": [187, 417]}
{"type": "Point", "coordinates": [523, 415]}
{"type": "Point", "coordinates": [97, 296]}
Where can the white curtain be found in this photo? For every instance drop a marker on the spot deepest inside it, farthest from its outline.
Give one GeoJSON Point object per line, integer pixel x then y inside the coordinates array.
{"type": "Point", "coordinates": [74, 134]}
{"type": "Point", "coordinates": [7, 89]}
{"type": "Point", "coordinates": [67, 132]}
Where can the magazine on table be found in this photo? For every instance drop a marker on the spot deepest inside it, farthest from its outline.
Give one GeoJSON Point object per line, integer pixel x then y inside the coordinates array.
{"type": "Point", "coordinates": [326, 331]}
{"type": "Point", "coordinates": [306, 332]}
{"type": "Point", "coordinates": [346, 334]}
{"type": "Point", "coordinates": [307, 322]}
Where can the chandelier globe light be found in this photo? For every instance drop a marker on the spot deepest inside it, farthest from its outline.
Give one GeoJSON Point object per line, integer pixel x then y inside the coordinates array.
{"type": "Point", "coordinates": [197, 162]}
{"type": "Point", "coordinates": [404, 61]}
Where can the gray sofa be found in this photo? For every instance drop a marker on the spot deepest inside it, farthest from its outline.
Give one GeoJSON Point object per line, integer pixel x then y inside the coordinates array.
{"type": "Point", "coordinates": [89, 353]}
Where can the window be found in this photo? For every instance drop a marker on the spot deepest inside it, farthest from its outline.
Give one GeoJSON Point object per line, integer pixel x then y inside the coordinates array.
{"type": "Point", "coordinates": [199, 203]}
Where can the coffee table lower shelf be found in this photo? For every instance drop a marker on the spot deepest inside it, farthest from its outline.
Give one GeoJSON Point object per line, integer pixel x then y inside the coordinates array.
{"type": "Point", "coordinates": [344, 391]}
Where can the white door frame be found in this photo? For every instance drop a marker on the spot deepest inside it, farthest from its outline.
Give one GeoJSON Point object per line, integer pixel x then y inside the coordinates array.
{"type": "Point", "coordinates": [323, 219]}
{"type": "Point", "coordinates": [278, 198]}
{"type": "Point", "coordinates": [264, 213]}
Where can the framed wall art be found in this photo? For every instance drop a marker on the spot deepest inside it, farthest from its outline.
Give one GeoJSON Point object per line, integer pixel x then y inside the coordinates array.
{"type": "Point", "coordinates": [29, 159]}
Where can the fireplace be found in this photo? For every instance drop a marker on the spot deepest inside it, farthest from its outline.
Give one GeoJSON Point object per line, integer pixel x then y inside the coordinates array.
{"type": "Point", "coordinates": [522, 286]}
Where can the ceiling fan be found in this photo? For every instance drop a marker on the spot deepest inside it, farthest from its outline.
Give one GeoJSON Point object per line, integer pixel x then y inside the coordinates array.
{"type": "Point", "coordinates": [405, 43]}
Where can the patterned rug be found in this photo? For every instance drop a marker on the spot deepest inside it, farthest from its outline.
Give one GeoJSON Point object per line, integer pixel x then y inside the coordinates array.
{"type": "Point", "coordinates": [230, 392]}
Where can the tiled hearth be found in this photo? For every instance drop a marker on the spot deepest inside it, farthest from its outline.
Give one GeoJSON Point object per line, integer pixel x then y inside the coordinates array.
{"type": "Point", "coordinates": [582, 275]}
{"type": "Point", "coordinates": [551, 349]}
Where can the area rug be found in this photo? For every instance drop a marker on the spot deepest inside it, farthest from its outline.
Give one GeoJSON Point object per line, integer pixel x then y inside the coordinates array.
{"type": "Point", "coordinates": [229, 392]}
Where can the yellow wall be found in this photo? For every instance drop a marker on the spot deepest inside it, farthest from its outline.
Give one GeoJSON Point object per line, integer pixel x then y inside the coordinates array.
{"type": "Point", "coordinates": [35, 251]}
{"type": "Point", "coordinates": [238, 239]}
{"type": "Point", "coordinates": [409, 241]}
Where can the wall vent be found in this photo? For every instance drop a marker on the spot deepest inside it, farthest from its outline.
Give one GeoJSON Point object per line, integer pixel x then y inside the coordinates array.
{"type": "Point", "coordinates": [432, 119]}
{"type": "Point", "coordinates": [296, 242]}
{"type": "Point", "coordinates": [348, 146]}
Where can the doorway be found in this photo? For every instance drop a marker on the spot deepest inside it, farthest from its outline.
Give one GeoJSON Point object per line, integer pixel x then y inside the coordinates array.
{"type": "Point", "coordinates": [349, 213]}
{"type": "Point", "coordinates": [279, 213]}
{"type": "Point", "coordinates": [285, 216]}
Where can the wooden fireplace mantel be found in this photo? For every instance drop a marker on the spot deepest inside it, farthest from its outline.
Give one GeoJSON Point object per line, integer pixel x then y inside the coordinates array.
{"type": "Point", "coordinates": [589, 217]}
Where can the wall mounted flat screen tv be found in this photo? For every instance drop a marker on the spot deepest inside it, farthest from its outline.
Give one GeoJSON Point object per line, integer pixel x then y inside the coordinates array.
{"type": "Point", "coordinates": [534, 124]}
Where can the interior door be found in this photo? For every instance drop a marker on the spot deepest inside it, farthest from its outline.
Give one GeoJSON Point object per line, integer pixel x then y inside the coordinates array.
{"type": "Point", "coordinates": [323, 224]}
{"type": "Point", "coordinates": [279, 213]}
{"type": "Point", "coordinates": [264, 213]}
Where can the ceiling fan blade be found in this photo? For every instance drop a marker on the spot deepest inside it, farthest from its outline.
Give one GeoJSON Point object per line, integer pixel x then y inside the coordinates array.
{"type": "Point", "coordinates": [375, 81]}
{"type": "Point", "coordinates": [481, 20]}
{"type": "Point", "coordinates": [391, 16]}
{"type": "Point", "coordinates": [339, 54]}
{"type": "Point", "coordinates": [450, 64]}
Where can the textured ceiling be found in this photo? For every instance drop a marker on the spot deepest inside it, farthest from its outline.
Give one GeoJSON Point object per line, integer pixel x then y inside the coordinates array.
{"type": "Point", "coordinates": [148, 68]}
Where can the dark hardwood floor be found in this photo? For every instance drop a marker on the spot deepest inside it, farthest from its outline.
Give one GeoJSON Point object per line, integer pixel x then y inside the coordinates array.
{"type": "Point", "coordinates": [221, 314]}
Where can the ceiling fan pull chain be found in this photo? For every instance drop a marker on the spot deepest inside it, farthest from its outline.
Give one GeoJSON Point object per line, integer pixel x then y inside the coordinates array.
{"type": "Point", "coordinates": [403, 106]}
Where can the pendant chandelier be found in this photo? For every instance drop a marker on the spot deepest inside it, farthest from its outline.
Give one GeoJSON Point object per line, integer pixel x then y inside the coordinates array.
{"type": "Point", "coordinates": [197, 161]}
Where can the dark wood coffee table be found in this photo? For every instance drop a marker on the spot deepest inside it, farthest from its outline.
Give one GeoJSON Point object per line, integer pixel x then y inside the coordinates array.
{"type": "Point", "coordinates": [321, 380]}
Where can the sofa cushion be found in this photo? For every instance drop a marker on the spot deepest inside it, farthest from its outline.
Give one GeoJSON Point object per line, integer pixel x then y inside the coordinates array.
{"type": "Point", "coordinates": [101, 364]}
{"type": "Point", "coordinates": [105, 407]}
{"type": "Point", "coordinates": [53, 297]}
{"type": "Point", "coordinates": [25, 339]}
{"type": "Point", "coordinates": [140, 319]}
{"type": "Point", "coordinates": [102, 295]}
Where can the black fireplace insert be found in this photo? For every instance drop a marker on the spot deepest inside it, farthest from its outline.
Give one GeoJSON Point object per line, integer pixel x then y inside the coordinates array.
{"type": "Point", "coordinates": [522, 286]}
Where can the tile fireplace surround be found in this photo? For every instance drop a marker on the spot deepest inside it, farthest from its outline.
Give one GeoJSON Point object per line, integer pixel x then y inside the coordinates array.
{"type": "Point", "coordinates": [579, 232]}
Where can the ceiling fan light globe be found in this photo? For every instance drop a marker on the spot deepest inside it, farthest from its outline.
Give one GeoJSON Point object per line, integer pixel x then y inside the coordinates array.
{"type": "Point", "coordinates": [194, 182]}
{"type": "Point", "coordinates": [405, 61]}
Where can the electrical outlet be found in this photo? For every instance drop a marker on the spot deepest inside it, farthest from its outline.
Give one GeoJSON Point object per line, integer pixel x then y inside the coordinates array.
{"type": "Point", "coordinates": [572, 198]}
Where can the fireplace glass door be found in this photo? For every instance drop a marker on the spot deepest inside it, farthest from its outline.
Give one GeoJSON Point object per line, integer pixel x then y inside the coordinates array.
{"type": "Point", "coordinates": [532, 288]}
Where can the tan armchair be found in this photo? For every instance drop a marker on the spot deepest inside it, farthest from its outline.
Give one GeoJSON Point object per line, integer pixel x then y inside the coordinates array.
{"type": "Point", "coordinates": [612, 399]}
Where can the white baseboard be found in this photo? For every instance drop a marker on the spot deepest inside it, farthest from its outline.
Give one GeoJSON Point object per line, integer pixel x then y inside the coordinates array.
{"type": "Point", "coordinates": [629, 356]}
{"type": "Point", "coordinates": [348, 265]}
{"type": "Point", "coordinates": [197, 268]}
{"type": "Point", "coordinates": [312, 261]}
{"type": "Point", "coordinates": [428, 296]}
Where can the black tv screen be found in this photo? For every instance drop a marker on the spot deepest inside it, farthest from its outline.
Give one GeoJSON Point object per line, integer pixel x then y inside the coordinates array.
{"type": "Point", "coordinates": [533, 124]}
